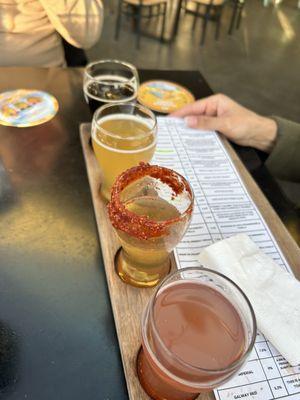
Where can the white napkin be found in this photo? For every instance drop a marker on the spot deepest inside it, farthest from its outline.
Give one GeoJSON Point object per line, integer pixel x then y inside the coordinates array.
{"type": "Point", "coordinates": [273, 292]}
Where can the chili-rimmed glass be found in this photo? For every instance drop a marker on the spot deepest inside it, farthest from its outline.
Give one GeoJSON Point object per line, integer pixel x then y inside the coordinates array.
{"type": "Point", "coordinates": [150, 208]}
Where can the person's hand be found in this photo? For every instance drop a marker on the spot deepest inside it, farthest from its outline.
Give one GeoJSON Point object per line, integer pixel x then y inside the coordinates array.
{"type": "Point", "coordinates": [236, 122]}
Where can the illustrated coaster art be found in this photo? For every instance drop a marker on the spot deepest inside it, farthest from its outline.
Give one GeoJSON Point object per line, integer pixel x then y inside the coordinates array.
{"type": "Point", "coordinates": [25, 108]}
{"type": "Point", "coordinates": [164, 96]}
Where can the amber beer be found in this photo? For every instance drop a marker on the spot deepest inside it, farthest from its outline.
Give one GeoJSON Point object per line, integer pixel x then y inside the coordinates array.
{"type": "Point", "coordinates": [197, 331]}
{"type": "Point", "coordinates": [122, 136]}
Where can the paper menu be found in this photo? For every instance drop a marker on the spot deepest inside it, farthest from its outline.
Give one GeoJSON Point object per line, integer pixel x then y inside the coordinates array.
{"type": "Point", "coordinates": [223, 207]}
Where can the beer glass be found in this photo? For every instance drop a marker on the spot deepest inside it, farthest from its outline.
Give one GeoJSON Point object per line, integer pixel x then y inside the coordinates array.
{"type": "Point", "coordinates": [109, 81]}
{"type": "Point", "coordinates": [150, 208]}
{"type": "Point", "coordinates": [197, 331]}
{"type": "Point", "coordinates": [122, 136]}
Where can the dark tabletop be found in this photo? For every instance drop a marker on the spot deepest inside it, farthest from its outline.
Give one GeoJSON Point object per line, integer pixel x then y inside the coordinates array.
{"type": "Point", "coordinates": [57, 335]}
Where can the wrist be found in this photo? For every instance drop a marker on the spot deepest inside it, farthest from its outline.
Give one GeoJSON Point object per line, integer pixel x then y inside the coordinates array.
{"type": "Point", "coordinates": [266, 135]}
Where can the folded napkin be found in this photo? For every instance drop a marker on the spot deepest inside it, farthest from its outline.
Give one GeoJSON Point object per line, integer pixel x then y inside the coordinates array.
{"type": "Point", "coordinates": [273, 292]}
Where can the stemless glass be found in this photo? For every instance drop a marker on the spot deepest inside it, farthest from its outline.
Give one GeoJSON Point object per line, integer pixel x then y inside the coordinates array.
{"type": "Point", "coordinates": [109, 81]}
{"type": "Point", "coordinates": [122, 136]}
{"type": "Point", "coordinates": [150, 208]}
{"type": "Point", "coordinates": [197, 331]}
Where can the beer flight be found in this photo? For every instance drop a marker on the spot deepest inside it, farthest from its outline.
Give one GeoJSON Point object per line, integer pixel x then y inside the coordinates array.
{"type": "Point", "coordinates": [198, 327]}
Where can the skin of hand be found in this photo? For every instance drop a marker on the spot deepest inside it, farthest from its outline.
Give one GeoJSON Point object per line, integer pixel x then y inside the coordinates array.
{"type": "Point", "coordinates": [237, 123]}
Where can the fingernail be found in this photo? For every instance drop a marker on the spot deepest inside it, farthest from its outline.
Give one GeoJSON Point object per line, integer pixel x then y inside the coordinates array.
{"type": "Point", "coordinates": [191, 121]}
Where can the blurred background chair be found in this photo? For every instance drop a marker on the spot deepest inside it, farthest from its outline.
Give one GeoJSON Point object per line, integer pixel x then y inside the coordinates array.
{"type": "Point", "coordinates": [139, 10]}
{"type": "Point", "coordinates": [208, 10]}
{"type": "Point", "coordinates": [238, 6]}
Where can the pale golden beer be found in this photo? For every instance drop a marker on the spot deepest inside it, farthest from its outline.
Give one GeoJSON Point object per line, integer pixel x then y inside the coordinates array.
{"type": "Point", "coordinates": [122, 136]}
{"type": "Point", "coordinates": [148, 258]}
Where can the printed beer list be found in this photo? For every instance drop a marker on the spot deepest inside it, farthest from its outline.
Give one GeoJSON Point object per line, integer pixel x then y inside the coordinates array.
{"type": "Point", "coordinates": [223, 208]}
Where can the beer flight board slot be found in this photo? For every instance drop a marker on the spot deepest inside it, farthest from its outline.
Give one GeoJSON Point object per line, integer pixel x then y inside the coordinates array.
{"type": "Point", "coordinates": [129, 302]}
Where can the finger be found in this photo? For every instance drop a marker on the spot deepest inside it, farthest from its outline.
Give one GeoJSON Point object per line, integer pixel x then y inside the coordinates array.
{"type": "Point", "coordinates": [199, 107]}
{"type": "Point", "coordinates": [211, 109]}
{"type": "Point", "coordinates": [195, 108]}
{"type": "Point", "coordinates": [204, 123]}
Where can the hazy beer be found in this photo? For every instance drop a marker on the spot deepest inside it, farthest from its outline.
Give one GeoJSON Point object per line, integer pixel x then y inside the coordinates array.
{"type": "Point", "coordinates": [122, 136]}
{"type": "Point", "coordinates": [145, 262]}
{"type": "Point", "coordinates": [150, 208]}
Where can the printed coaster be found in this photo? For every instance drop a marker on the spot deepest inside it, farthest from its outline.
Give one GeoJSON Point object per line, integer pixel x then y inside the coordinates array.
{"type": "Point", "coordinates": [24, 108]}
{"type": "Point", "coordinates": [164, 96]}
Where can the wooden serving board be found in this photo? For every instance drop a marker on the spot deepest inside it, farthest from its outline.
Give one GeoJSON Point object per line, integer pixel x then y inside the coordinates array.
{"type": "Point", "coordinates": [128, 302]}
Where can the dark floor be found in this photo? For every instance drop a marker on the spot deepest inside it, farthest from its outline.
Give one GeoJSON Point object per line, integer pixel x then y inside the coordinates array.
{"type": "Point", "coordinates": [259, 65]}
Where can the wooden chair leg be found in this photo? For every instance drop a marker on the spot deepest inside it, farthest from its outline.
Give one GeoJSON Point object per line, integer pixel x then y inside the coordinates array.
{"type": "Point", "coordinates": [239, 17]}
{"type": "Point", "coordinates": [218, 23]}
{"type": "Point", "coordinates": [233, 16]}
{"type": "Point", "coordinates": [119, 20]}
{"type": "Point", "coordinates": [204, 25]}
{"type": "Point", "coordinates": [196, 16]}
{"type": "Point", "coordinates": [160, 9]}
{"type": "Point", "coordinates": [162, 36]}
{"type": "Point", "coordinates": [138, 26]}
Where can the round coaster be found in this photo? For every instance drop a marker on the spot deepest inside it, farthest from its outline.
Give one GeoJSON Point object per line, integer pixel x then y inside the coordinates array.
{"type": "Point", "coordinates": [164, 96]}
{"type": "Point", "coordinates": [24, 108]}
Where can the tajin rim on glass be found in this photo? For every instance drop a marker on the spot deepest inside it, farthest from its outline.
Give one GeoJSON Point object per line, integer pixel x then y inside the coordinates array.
{"type": "Point", "coordinates": [112, 61]}
{"type": "Point", "coordinates": [148, 312]}
{"type": "Point", "coordinates": [152, 118]}
{"type": "Point", "coordinates": [139, 226]}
